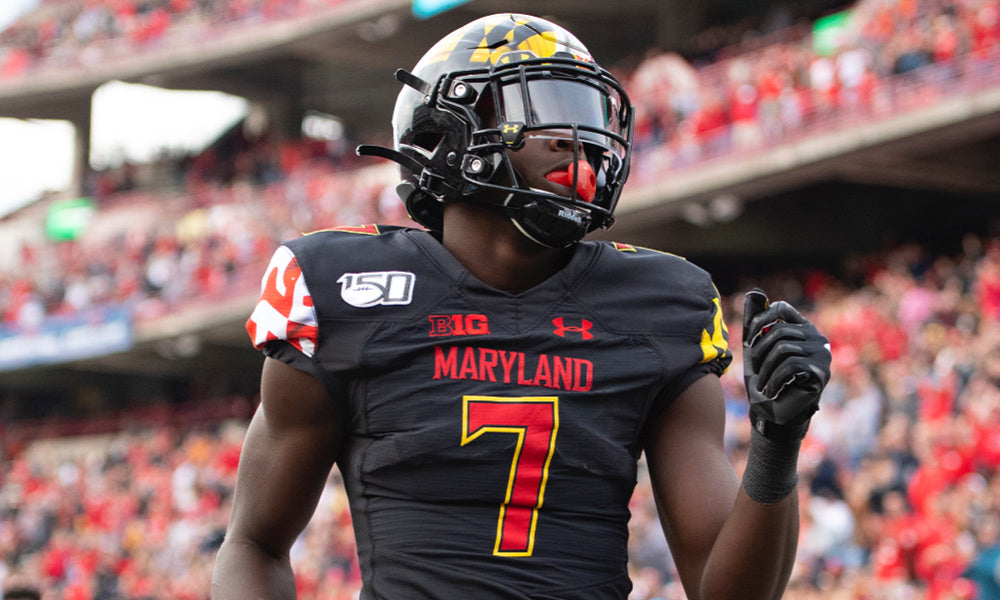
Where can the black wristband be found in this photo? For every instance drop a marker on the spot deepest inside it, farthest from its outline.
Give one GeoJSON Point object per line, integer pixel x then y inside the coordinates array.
{"type": "Point", "coordinates": [772, 468]}
{"type": "Point", "coordinates": [779, 433]}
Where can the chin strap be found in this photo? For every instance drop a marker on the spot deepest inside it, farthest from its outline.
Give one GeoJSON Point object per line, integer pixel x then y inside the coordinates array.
{"type": "Point", "coordinates": [548, 222]}
{"type": "Point", "coordinates": [544, 221]}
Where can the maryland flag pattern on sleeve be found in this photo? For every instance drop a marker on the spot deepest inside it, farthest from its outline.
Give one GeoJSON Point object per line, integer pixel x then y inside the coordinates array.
{"type": "Point", "coordinates": [285, 309]}
{"type": "Point", "coordinates": [715, 337]}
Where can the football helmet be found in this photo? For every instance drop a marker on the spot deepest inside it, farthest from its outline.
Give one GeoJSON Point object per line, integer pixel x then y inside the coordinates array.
{"type": "Point", "coordinates": [476, 94]}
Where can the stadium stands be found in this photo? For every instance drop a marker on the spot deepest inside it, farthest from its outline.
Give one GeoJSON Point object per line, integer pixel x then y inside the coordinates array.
{"type": "Point", "coordinates": [68, 35]}
{"type": "Point", "coordinates": [900, 477]}
{"type": "Point", "coordinates": [744, 104]}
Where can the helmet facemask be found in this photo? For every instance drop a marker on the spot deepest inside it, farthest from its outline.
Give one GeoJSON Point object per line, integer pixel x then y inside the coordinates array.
{"type": "Point", "coordinates": [551, 98]}
{"type": "Point", "coordinates": [456, 127]}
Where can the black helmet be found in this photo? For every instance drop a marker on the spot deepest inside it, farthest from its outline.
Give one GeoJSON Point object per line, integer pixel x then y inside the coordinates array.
{"type": "Point", "coordinates": [474, 95]}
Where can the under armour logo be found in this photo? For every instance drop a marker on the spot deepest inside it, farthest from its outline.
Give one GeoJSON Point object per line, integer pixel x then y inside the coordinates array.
{"type": "Point", "coordinates": [583, 328]}
{"type": "Point", "coordinates": [512, 133]}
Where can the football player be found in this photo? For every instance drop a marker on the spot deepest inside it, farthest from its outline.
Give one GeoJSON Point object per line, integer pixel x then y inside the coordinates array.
{"type": "Point", "coordinates": [487, 385]}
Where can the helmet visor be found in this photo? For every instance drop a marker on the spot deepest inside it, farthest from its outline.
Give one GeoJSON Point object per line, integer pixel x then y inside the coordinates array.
{"type": "Point", "coordinates": [557, 103]}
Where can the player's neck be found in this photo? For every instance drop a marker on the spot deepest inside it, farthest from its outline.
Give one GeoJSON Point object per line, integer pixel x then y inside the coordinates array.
{"type": "Point", "coordinates": [495, 252]}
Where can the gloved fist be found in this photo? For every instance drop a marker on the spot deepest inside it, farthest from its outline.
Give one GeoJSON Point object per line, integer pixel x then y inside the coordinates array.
{"type": "Point", "coordinates": [786, 365]}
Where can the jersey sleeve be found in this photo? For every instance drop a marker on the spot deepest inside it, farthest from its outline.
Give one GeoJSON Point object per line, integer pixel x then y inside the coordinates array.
{"type": "Point", "coordinates": [285, 310]}
{"type": "Point", "coordinates": [711, 354]}
{"type": "Point", "coordinates": [716, 354]}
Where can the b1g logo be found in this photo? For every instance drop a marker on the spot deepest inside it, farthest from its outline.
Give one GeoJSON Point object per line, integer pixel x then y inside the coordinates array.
{"type": "Point", "coordinates": [365, 290]}
{"type": "Point", "coordinates": [451, 325]}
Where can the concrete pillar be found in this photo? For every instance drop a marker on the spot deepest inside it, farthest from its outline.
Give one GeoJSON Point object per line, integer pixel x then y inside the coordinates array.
{"type": "Point", "coordinates": [80, 117]}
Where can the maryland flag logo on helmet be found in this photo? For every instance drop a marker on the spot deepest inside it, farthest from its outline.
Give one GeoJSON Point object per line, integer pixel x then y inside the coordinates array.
{"type": "Point", "coordinates": [507, 38]}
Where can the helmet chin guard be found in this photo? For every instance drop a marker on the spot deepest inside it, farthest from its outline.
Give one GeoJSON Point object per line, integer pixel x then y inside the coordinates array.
{"type": "Point", "coordinates": [472, 99]}
{"type": "Point", "coordinates": [548, 222]}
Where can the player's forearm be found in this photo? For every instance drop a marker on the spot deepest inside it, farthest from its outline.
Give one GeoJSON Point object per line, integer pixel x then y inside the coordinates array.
{"type": "Point", "coordinates": [244, 572]}
{"type": "Point", "coordinates": [786, 366]}
{"type": "Point", "coordinates": [753, 556]}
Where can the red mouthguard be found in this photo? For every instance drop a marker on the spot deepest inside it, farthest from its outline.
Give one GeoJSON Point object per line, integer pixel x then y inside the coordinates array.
{"type": "Point", "coordinates": [586, 181]}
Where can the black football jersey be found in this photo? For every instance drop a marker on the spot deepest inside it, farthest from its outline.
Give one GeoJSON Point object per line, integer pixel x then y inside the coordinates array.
{"type": "Point", "coordinates": [493, 437]}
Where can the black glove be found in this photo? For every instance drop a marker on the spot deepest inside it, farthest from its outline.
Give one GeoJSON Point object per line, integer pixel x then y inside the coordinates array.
{"type": "Point", "coordinates": [786, 365]}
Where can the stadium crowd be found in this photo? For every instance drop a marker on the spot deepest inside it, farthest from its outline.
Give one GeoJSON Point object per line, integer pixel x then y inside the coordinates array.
{"type": "Point", "coordinates": [891, 56]}
{"type": "Point", "coordinates": [150, 252]}
{"type": "Point", "coordinates": [900, 474]}
{"type": "Point", "coordinates": [896, 55]}
{"type": "Point", "coordinates": [73, 34]}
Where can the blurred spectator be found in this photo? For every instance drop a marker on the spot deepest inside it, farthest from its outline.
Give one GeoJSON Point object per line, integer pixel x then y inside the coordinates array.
{"type": "Point", "coordinates": [984, 571]}
{"type": "Point", "coordinates": [20, 587]}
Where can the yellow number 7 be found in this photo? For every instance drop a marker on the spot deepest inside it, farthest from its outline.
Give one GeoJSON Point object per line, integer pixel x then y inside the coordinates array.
{"type": "Point", "coordinates": [535, 421]}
